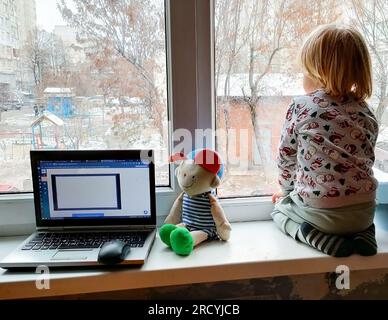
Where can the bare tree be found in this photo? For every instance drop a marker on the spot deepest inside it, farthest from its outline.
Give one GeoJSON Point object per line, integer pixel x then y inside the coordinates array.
{"type": "Point", "coordinates": [57, 60]}
{"type": "Point", "coordinates": [45, 56]}
{"type": "Point", "coordinates": [371, 17]}
{"type": "Point", "coordinates": [118, 31]}
{"type": "Point", "coordinates": [229, 38]}
{"type": "Point", "coordinates": [273, 27]}
{"type": "Point", "coordinates": [264, 29]}
{"type": "Point", "coordinates": [35, 55]}
{"type": "Point", "coordinates": [4, 96]}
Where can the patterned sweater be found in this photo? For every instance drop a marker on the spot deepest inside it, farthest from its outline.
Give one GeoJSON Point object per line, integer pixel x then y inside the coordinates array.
{"type": "Point", "coordinates": [326, 151]}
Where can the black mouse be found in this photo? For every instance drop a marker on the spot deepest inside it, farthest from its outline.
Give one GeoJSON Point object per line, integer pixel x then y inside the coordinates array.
{"type": "Point", "coordinates": [113, 252]}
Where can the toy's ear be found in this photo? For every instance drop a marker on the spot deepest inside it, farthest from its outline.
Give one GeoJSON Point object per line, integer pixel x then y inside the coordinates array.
{"type": "Point", "coordinates": [215, 182]}
{"type": "Point", "coordinates": [177, 157]}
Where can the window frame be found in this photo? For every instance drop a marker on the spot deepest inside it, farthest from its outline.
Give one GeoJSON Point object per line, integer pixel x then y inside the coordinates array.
{"type": "Point", "coordinates": [190, 82]}
{"type": "Point", "coordinates": [194, 20]}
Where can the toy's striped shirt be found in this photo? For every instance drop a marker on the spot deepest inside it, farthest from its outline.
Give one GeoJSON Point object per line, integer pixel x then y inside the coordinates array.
{"type": "Point", "coordinates": [196, 212]}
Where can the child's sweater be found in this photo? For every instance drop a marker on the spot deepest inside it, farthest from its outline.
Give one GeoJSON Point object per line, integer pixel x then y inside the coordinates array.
{"type": "Point", "coordinates": [326, 151]}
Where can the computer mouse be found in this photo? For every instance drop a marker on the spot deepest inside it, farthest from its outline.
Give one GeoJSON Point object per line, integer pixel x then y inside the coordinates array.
{"type": "Point", "coordinates": [113, 252]}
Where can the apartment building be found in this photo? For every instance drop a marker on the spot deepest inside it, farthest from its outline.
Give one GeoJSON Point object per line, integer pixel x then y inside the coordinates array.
{"type": "Point", "coordinates": [17, 24]}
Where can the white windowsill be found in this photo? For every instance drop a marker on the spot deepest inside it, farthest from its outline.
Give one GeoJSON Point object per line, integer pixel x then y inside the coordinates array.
{"type": "Point", "coordinates": [256, 250]}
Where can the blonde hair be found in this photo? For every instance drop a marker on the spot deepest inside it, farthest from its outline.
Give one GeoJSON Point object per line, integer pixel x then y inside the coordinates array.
{"type": "Point", "coordinates": [337, 56]}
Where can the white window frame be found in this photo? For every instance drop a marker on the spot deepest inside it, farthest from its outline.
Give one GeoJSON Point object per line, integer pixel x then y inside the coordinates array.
{"type": "Point", "coordinates": [203, 109]}
{"type": "Point", "coordinates": [190, 56]}
{"type": "Point", "coordinates": [192, 50]}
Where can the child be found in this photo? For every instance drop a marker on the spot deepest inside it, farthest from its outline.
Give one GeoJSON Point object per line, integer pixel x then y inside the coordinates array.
{"type": "Point", "coordinates": [326, 153]}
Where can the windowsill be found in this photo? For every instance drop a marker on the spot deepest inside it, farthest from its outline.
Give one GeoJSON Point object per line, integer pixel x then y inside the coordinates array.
{"type": "Point", "coordinates": [28, 196]}
{"type": "Point", "coordinates": [256, 250]}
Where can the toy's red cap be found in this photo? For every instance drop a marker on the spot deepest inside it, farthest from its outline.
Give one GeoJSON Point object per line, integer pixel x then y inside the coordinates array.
{"type": "Point", "coordinates": [209, 160]}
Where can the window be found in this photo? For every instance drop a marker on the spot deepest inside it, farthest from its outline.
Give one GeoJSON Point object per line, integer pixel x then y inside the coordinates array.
{"type": "Point", "coordinates": [188, 23]}
{"type": "Point", "coordinates": [91, 75]}
{"type": "Point", "coordinates": [239, 52]}
{"type": "Point", "coordinates": [256, 75]}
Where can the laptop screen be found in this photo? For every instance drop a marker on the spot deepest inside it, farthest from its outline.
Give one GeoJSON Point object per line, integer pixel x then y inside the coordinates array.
{"type": "Point", "coordinates": [94, 189]}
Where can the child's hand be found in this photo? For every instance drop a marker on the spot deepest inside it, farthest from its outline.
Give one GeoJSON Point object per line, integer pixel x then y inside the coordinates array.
{"type": "Point", "coordinates": [276, 196]}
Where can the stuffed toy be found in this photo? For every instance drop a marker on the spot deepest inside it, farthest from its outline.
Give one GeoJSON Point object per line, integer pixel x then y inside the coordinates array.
{"type": "Point", "coordinates": [196, 215]}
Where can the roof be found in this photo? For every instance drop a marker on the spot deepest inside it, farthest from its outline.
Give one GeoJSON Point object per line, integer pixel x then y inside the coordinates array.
{"type": "Point", "coordinates": [49, 117]}
{"type": "Point", "coordinates": [272, 84]}
{"type": "Point", "coordinates": [66, 92]}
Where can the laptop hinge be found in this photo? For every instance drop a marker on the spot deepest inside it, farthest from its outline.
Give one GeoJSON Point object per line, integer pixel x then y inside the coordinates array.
{"type": "Point", "coordinates": [96, 228]}
{"type": "Point", "coordinates": [40, 229]}
{"type": "Point", "coordinates": [99, 228]}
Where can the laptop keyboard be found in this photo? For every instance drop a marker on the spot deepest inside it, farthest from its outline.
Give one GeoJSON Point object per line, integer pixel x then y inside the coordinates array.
{"type": "Point", "coordinates": [87, 240]}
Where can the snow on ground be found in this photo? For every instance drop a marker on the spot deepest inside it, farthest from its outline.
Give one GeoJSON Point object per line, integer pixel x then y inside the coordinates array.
{"type": "Point", "coordinates": [248, 184]}
{"type": "Point", "coordinates": [21, 180]}
{"type": "Point", "coordinates": [16, 135]}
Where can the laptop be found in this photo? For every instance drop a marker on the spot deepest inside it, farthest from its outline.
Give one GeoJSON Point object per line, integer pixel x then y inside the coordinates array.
{"type": "Point", "coordinates": [84, 199]}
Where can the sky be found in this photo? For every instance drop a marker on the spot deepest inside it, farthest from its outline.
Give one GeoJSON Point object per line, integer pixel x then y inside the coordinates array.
{"type": "Point", "coordinates": [48, 15]}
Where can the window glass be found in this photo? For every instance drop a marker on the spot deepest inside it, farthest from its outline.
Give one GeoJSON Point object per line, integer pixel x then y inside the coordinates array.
{"type": "Point", "coordinates": [80, 74]}
{"type": "Point", "coordinates": [257, 74]}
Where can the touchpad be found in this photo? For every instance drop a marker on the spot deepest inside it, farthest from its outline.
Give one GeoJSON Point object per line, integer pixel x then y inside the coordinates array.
{"type": "Point", "coordinates": [71, 255]}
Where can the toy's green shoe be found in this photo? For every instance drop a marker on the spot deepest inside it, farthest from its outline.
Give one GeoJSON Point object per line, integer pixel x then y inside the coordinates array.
{"type": "Point", "coordinates": [165, 233]}
{"type": "Point", "coordinates": [182, 241]}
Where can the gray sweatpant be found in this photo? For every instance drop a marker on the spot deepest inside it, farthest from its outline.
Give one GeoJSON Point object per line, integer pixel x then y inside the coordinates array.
{"type": "Point", "coordinates": [290, 213]}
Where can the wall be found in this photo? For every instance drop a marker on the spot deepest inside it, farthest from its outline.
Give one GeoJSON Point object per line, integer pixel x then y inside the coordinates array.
{"type": "Point", "coordinates": [271, 112]}
{"type": "Point", "coordinates": [368, 284]}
